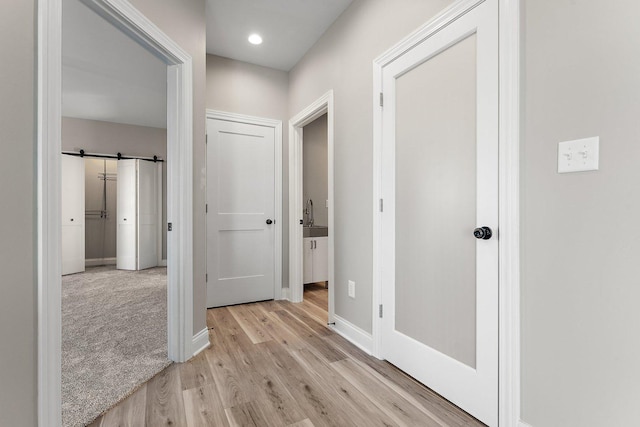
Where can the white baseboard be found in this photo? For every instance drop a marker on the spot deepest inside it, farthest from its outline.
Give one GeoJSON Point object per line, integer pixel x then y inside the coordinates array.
{"type": "Point", "coordinates": [95, 262]}
{"type": "Point", "coordinates": [162, 263]}
{"type": "Point", "coordinates": [358, 337]}
{"type": "Point", "coordinates": [200, 341]}
{"type": "Point", "coordinates": [286, 292]}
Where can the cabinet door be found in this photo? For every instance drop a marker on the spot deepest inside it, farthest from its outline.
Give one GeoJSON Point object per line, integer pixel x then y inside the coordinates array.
{"type": "Point", "coordinates": [308, 260]}
{"type": "Point", "coordinates": [320, 259]}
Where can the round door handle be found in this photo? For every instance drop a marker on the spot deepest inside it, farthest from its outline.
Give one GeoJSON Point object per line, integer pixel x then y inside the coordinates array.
{"type": "Point", "coordinates": [125, 219]}
{"type": "Point", "coordinates": [269, 222]}
{"type": "Point", "coordinates": [71, 219]}
{"type": "Point", "coordinates": [483, 233]}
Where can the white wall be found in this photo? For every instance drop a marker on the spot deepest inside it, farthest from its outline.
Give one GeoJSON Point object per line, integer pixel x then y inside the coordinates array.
{"type": "Point", "coordinates": [342, 60]}
{"type": "Point", "coordinates": [314, 168]}
{"type": "Point", "coordinates": [238, 87]}
{"type": "Point", "coordinates": [95, 136]}
{"type": "Point", "coordinates": [580, 231]}
{"type": "Point", "coordinates": [18, 374]}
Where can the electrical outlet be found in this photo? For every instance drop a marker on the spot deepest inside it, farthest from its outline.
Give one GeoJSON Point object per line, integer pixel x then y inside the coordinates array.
{"type": "Point", "coordinates": [352, 289]}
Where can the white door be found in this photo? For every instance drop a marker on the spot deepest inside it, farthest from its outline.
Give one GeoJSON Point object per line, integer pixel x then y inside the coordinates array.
{"type": "Point", "coordinates": [147, 214]}
{"type": "Point", "coordinates": [127, 196]}
{"type": "Point", "coordinates": [439, 183]}
{"type": "Point", "coordinates": [73, 224]}
{"type": "Point", "coordinates": [241, 206]}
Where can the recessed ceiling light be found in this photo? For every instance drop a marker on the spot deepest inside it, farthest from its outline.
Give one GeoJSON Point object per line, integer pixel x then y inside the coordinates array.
{"type": "Point", "coordinates": [255, 39]}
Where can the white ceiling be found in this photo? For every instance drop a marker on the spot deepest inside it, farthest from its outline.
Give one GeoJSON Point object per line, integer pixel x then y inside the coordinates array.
{"type": "Point", "coordinates": [109, 77]}
{"type": "Point", "coordinates": [106, 75]}
{"type": "Point", "coordinates": [288, 28]}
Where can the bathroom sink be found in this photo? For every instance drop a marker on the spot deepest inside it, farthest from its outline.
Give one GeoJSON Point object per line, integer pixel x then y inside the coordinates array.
{"type": "Point", "coordinates": [315, 231]}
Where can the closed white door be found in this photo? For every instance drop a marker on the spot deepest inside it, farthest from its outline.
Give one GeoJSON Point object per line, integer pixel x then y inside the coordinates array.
{"type": "Point", "coordinates": [241, 206]}
{"type": "Point", "coordinates": [147, 214]}
{"type": "Point", "coordinates": [73, 209]}
{"type": "Point", "coordinates": [127, 196]}
{"type": "Point", "coordinates": [440, 184]}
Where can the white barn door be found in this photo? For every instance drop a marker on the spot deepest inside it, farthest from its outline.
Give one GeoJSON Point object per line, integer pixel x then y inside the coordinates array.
{"type": "Point", "coordinates": [73, 209]}
{"type": "Point", "coordinates": [138, 216]}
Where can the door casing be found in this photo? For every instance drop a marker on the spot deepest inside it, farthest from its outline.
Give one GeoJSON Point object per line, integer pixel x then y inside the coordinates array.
{"type": "Point", "coordinates": [508, 198]}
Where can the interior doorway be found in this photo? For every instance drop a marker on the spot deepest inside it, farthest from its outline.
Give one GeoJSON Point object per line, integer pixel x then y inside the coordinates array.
{"type": "Point", "coordinates": [311, 244]}
{"type": "Point", "coordinates": [179, 294]}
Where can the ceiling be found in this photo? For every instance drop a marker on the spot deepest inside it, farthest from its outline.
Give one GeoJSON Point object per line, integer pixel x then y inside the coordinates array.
{"type": "Point", "coordinates": [109, 77]}
{"type": "Point", "coordinates": [106, 75]}
{"type": "Point", "coordinates": [288, 28]}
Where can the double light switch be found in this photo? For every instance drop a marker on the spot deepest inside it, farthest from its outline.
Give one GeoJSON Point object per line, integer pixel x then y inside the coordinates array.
{"type": "Point", "coordinates": [578, 155]}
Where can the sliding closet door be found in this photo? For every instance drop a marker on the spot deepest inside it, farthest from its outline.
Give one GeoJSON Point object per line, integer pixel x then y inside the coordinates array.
{"type": "Point", "coordinates": [126, 257]}
{"type": "Point", "coordinates": [73, 225]}
{"type": "Point", "coordinates": [147, 214]}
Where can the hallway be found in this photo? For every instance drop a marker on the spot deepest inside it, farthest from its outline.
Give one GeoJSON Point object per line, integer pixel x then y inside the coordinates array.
{"type": "Point", "coordinates": [275, 363]}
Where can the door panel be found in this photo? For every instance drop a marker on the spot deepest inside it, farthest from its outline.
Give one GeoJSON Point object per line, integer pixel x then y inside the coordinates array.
{"type": "Point", "coordinates": [127, 245]}
{"type": "Point", "coordinates": [439, 182]}
{"type": "Point", "coordinates": [436, 199]}
{"type": "Point", "coordinates": [241, 197]}
{"type": "Point", "coordinates": [73, 210]}
{"type": "Point", "coordinates": [147, 214]}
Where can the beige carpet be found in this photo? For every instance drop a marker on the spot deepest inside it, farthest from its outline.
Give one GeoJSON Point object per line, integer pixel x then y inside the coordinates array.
{"type": "Point", "coordinates": [114, 337]}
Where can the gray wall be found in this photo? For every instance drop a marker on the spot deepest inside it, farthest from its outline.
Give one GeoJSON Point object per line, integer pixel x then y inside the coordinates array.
{"type": "Point", "coordinates": [95, 136]}
{"type": "Point", "coordinates": [184, 22]}
{"type": "Point", "coordinates": [238, 87]}
{"type": "Point", "coordinates": [580, 231]}
{"type": "Point", "coordinates": [17, 215]}
{"type": "Point", "coordinates": [342, 60]}
{"type": "Point", "coordinates": [315, 177]}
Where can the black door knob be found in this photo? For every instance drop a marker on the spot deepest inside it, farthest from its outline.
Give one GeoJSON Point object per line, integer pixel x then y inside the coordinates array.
{"type": "Point", "coordinates": [269, 222]}
{"type": "Point", "coordinates": [483, 233]}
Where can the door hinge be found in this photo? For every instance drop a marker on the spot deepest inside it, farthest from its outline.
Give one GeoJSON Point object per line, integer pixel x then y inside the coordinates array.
{"type": "Point", "coordinates": [381, 99]}
{"type": "Point", "coordinates": [206, 277]}
{"type": "Point", "coordinates": [381, 205]}
{"type": "Point", "coordinates": [380, 311]}
{"type": "Point", "coordinates": [206, 138]}
{"type": "Point", "coordinates": [170, 226]}
{"type": "Point", "coordinates": [206, 208]}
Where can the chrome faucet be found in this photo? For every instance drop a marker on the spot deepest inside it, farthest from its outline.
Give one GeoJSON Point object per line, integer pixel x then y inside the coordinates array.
{"type": "Point", "coordinates": [308, 211]}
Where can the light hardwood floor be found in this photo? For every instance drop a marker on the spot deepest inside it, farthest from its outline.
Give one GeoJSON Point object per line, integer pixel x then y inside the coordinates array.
{"type": "Point", "coordinates": [275, 363]}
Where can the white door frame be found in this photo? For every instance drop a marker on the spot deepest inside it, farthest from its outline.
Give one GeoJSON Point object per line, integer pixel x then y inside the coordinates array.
{"type": "Point", "coordinates": [509, 191]}
{"type": "Point", "coordinates": [180, 188]}
{"type": "Point", "coordinates": [322, 105]}
{"type": "Point", "coordinates": [277, 127]}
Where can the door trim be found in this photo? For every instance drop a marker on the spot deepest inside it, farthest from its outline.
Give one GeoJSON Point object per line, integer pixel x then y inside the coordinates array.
{"type": "Point", "coordinates": [276, 125]}
{"type": "Point", "coordinates": [180, 188]}
{"type": "Point", "coordinates": [322, 105]}
{"type": "Point", "coordinates": [509, 191]}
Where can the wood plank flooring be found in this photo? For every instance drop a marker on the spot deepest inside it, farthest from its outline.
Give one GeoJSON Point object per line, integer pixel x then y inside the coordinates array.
{"type": "Point", "coordinates": [275, 363]}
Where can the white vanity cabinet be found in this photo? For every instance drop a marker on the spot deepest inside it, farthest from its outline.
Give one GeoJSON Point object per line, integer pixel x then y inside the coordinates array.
{"type": "Point", "coordinates": [316, 258]}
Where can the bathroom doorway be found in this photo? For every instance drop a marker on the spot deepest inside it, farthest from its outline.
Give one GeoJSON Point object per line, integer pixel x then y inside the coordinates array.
{"type": "Point", "coordinates": [315, 193]}
{"type": "Point", "coordinates": [311, 206]}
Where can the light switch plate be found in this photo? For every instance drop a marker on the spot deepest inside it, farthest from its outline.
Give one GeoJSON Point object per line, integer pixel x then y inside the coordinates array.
{"type": "Point", "coordinates": [352, 289]}
{"type": "Point", "coordinates": [579, 155]}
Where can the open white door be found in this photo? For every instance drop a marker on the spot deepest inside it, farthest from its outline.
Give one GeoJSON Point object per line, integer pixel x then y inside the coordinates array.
{"type": "Point", "coordinates": [439, 183]}
{"type": "Point", "coordinates": [241, 205]}
{"type": "Point", "coordinates": [127, 195]}
{"type": "Point", "coordinates": [73, 224]}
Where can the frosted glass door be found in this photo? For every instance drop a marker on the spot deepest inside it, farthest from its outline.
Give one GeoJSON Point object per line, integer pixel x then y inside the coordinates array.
{"type": "Point", "coordinates": [440, 183]}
